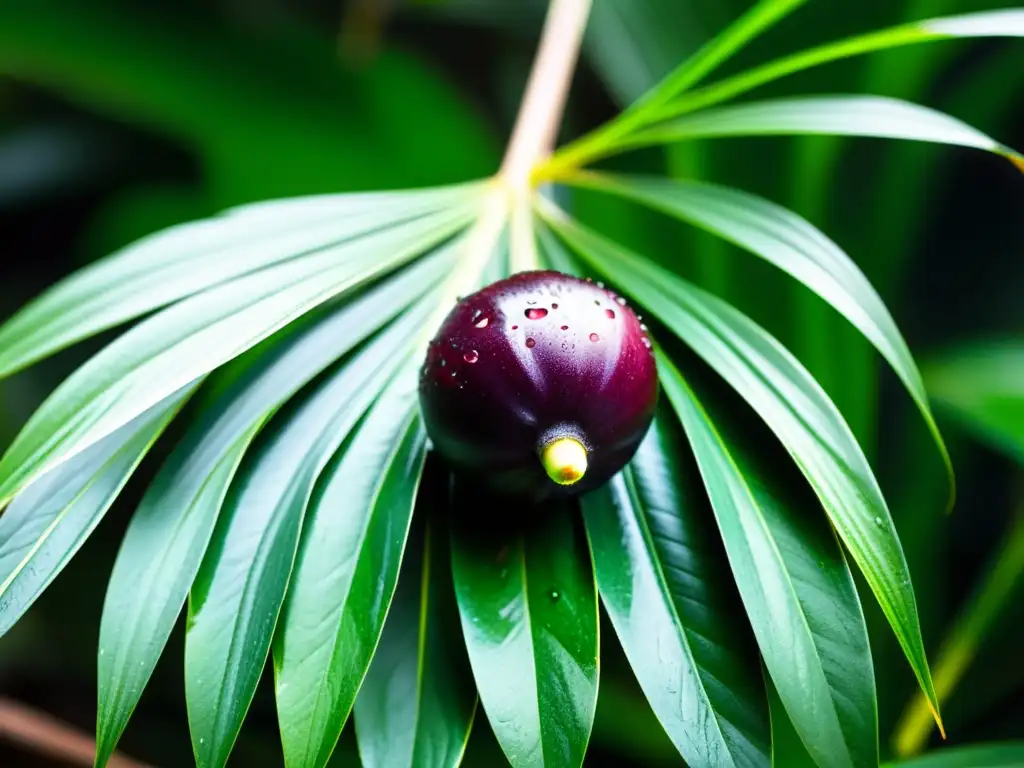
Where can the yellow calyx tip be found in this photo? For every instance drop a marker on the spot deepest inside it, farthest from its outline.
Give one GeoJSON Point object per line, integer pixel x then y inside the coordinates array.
{"type": "Point", "coordinates": [565, 460]}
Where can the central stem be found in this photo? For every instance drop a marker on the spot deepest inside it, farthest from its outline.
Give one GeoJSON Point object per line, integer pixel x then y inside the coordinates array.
{"type": "Point", "coordinates": [540, 112]}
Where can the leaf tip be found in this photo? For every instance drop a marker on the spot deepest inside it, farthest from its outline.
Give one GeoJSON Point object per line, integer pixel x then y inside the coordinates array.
{"type": "Point", "coordinates": [1016, 159]}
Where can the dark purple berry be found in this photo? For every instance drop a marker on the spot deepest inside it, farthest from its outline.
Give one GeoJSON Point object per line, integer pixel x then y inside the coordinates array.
{"type": "Point", "coordinates": [540, 384]}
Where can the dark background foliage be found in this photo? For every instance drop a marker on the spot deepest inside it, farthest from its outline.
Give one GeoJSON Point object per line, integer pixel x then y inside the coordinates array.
{"type": "Point", "coordinates": [120, 118]}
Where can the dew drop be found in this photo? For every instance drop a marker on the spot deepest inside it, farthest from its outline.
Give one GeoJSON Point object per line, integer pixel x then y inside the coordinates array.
{"type": "Point", "coordinates": [482, 322]}
{"type": "Point", "coordinates": [610, 314]}
{"type": "Point", "coordinates": [600, 284]}
{"type": "Point", "coordinates": [647, 342]}
{"type": "Point", "coordinates": [622, 301]}
{"type": "Point", "coordinates": [878, 521]}
{"type": "Point", "coordinates": [554, 595]}
{"type": "Point", "coordinates": [536, 313]}
{"type": "Point", "coordinates": [454, 374]}
{"type": "Point", "coordinates": [443, 362]}
{"type": "Point", "coordinates": [594, 337]}
{"type": "Point", "coordinates": [530, 343]}
{"type": "Point", "coordinates": [643, 327]}
{"type": "Point", "coordinates": [589, 280]}
{"type": "Point", "coordinates": [472, 356]}
{"type": "Point", "coordinates": [565, 327]}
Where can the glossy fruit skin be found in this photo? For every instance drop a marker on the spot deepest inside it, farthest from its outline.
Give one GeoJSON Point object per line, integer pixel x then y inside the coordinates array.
{"type": "Point", "coordinates": [531, 358]}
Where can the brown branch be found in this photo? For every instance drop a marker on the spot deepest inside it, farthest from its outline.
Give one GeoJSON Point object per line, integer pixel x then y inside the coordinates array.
{"type": "Point", "coordinates": [39, 732]}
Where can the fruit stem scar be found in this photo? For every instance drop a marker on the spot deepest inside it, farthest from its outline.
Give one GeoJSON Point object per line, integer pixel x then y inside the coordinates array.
{"type": "Point", "coordinates": [565, 460]}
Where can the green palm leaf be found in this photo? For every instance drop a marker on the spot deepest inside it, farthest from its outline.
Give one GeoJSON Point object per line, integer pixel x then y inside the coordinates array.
{"type": "Point", "coordinates": [199, 334]}
{"type": "Point", "coordinates": [191, 258]}
{"type": "Point", "coordinates": [346, 573]}
{"type": "Point", "coordinates": [794, 245]}
{"type": "Point", "coordinates": [47, 522]}
{"type": "Point", "coordinates": [529, 615]}
{"type": "Point", "coordinates": [781, 391]}
{"type": "Point", "coordinates": [416, 706]}
{"type": "Point", "coordinates": [170, 531]}
{"type": "Point", "coordinates": [841, 115]}
{"type": "Point", "coordinates": [797, 590]}
{"type": "Point", "coordinates": [661, 578]}
{"type": "Point", "coordinates": [240, 586]}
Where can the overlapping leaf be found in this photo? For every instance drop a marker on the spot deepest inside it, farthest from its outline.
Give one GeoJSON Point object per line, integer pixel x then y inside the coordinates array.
{"type": "Point", "coordinates": [661, 576]}
{"type": "Point", "coordinates": [238, 591]}
{"type": "Point", "coordinates": [198, 334]}
{"type": "Point", "coordinates": [190, 258]}
{"type": "Point", "coordinates": [529, 615]}
{"type": "Point", "coordinates": [1000, 23]}
{"type": "Point", "coordinates": [46, 523]}
{"type": "Point", "coordinates": [345, 574]}
{"type": "Point", "coordinates": [781, 391]}
{"type": "Point", "coordinates": [797, 590]}
{"type": "Point", "coordinates": [795, 246]}
{"type": "Point", "coordinates": [169, 533]}
{"type": "Point", "coordinates": [416, 705]}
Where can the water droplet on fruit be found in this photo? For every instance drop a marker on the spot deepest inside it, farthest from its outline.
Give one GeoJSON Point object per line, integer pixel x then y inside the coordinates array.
{"type": "Point", "coordinates": [643, 327]}
{"type": "Point", "coordinates": [565, 327]}
{"type": "Point", "coordinates": [622, 301]}
{"type": "Point", "coordinates": [600, 284]}
{"type": "Point", "coordinates": [472, 356]}
{"type": "Point", "coordinates": [530, 343]}
{"type": "Point", "coordinates": [443, 362]}
{"type": "Point", "coordinates": [610, 314]}
{"type": "Point", "coordinates": [482, 322]}
{"type": "Point", "coordinates": [647, 342]}
{"type": "Point", "coordinates": [454, 374]}
{"type": "Point", "coordinates": [594, 337]}
{"type": "Point", "coordinates": [536, 313]}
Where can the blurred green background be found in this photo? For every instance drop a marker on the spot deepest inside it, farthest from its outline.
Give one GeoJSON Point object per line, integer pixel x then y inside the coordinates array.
{"type": "Point", "coordinates": [120, 118]}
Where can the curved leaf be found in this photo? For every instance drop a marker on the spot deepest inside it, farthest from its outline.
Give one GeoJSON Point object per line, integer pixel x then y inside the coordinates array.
{"type": "Point", "coordinates": [840, 115]}
{"type": "Point", "coordinates": [189, 258]}
{"type": "Point", "coordinates": [660, 575]}
{"type": "Point", "coordinates": [797, 590]}
{"type": "Point", "coordinates": [46, 523]}
{"type": "Point", "coordinates": [169, 533]}
{"type": "Point", "coordinates": [345, 574]}
{"type": "Point", "coordinates": [529, 616]}
{"type": "Point", "coordinates": [796, 409]}
{"type": "Point", "coordinates": [199, 334]}
{"type": "Point", "coordinates": [795, 246]}
{"type": "Point", "coordinates": [416, 706]}
{"type": "Point", "coordinates": [1004, 755]}
{"type": "Point", "coordinates": [238, 591]}
{"type": "Point", "coordinates": [1001, 23]}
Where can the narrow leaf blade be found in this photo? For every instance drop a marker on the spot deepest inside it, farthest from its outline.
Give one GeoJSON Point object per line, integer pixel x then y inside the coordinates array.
{"type": "Point", "coordinates": [798, 593]}
{"type": "Point", "coordinates": [660, 575]}
{"type": "Point", "coordinates": [415, 708]}
{"type": "Point", "coordinates": [529, 616]}
{"type": "Point", "coordinates": [345, 575]}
